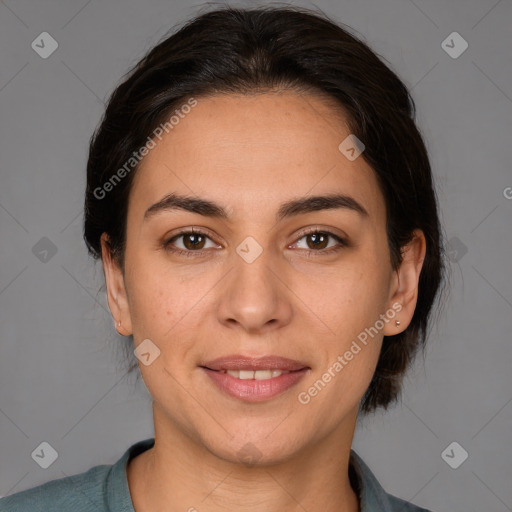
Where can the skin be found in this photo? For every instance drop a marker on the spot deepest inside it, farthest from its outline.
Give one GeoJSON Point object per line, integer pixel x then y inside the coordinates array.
{"type": "Point", "coordinates": [249, 154]}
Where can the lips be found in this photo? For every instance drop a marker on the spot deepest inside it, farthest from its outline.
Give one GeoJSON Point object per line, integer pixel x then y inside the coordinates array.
{"type": "Point", "coordinates": [254, 389]}
{"type": "Point", "coordinates": [254, 379]}
{"type": "Point", "coordinates": [239, 362]}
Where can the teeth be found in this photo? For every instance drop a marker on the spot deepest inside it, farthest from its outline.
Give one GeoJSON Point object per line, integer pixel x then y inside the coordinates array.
{"type": "Point", "coordinates": [258, 374]}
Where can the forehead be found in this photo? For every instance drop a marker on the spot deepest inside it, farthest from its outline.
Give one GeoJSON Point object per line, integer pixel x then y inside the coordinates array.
{"type": "Point", "coordinates": [252, 151]}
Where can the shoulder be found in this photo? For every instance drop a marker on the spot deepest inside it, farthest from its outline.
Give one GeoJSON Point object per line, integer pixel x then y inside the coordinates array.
{"type": "Point", "coordinates": [83, 492]}
{"type": "Point", "coordinates": [100, 489]}
{"type": "Point", "coordinates": [400, 505]}
{"type": "Point", "coordinates": [372, 496]}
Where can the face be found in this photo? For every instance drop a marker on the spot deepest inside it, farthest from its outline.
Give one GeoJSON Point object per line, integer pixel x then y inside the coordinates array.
{"type": "Point", "coordinates": [256, 279]}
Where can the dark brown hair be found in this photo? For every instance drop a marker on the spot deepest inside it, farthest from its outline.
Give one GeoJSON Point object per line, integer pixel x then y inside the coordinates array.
{"type": "Point", "coordinates": [236, 50]}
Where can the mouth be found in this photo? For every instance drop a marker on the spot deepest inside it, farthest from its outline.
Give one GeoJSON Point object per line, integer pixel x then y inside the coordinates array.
{"type": "Point", "coordinates": [254, 379]}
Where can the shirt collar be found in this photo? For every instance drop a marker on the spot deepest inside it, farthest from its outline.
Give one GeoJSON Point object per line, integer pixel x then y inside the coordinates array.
{"type": "Point", "coordinates": [372, 496]}
{"type": "Point", "coordinates": [118, 493]}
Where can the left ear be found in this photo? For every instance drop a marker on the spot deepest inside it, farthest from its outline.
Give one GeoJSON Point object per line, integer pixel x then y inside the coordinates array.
{"type": "Point", "coordinates": [404, 292]}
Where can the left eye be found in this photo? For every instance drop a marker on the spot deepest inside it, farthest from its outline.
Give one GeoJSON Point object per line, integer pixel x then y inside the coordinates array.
{"type": "Point", "coordinates": [319, 239]}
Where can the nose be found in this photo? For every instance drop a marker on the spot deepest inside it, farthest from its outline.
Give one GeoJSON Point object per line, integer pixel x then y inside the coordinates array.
{"type": "Point", "coordinates": [255, 297]}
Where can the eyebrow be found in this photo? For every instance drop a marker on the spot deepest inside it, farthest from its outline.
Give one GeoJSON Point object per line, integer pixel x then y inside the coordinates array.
{"type": "Point", "coordinates": [288, 209]}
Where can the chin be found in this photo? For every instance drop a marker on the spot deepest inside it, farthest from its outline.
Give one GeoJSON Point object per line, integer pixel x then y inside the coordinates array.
{"type": "Point", "coordinates": [254, 450]}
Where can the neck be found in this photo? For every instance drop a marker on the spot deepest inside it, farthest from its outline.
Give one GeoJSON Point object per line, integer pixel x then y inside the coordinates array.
{"type": "Point", "coordinates": [180, 472]}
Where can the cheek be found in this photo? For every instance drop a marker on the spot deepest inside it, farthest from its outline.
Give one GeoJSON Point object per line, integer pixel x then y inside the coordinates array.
{"type": "Point", "coordinates": [350, 302]}
{"type": "Point", "coordinates": [348, 299]}
{"type": "Point", "coordinates": [152, 295]}
{"type": "Point", "coordinates": [356, 375]}
{"type": "Point", "coordinates": [352, 350]}
{"type": "Point", "coordinates": [168, 307]}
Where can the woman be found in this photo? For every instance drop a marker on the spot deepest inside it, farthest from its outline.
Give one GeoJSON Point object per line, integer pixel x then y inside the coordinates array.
{"type": "Point", "coordinates": [262, 203]}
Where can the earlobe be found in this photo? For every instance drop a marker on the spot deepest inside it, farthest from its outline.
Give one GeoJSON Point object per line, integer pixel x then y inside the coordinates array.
{"type": "Point", "coordinates": [407, 281]}
{"type": "Point", "coordinates": [116, 291]}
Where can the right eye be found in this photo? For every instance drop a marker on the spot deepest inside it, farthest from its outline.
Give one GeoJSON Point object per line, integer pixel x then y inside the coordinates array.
{"type": "Point", "coordinates": [193, 242]}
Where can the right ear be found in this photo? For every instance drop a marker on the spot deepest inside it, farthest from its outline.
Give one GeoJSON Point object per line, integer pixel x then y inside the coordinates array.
{"type": "Point", "coordinates": [116, 290]}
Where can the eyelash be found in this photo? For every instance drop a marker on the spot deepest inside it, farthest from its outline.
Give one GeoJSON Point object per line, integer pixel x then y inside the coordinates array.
{"type": "Point", "coordinates": [194, 254]}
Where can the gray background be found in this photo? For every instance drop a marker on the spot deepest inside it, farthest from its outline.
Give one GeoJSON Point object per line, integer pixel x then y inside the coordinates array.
{"type": "Point", "coordinates": [62, 370]}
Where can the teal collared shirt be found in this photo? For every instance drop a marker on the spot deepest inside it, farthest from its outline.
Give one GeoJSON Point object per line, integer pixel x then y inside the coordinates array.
{"type": "Point", "coordinates": [105, 489]}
